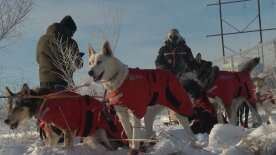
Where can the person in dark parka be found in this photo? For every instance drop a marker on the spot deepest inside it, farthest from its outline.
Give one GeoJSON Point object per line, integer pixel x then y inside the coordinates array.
{"type": "Point", "coordinates": [175, 55]}
{"type": "Point", "coordinates": [51, 76]}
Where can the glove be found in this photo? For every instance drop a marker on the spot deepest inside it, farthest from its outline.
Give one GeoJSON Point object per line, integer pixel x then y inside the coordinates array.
{"type": "Point", "coordinates": [81, 54]}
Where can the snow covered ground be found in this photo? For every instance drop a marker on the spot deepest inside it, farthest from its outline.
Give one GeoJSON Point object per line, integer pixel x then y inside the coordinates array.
{"type": "Point", "coordinates": [26, 141]}
{"type": "Point", "coordinates": [224, 139]}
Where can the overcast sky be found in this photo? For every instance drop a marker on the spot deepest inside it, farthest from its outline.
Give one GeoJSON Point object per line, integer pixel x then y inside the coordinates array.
{"type": "Point", "coordinates": [143, 26]}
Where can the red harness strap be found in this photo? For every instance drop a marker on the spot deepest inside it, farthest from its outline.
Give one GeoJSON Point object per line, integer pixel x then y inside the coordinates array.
{"type": "Point", "coordinates": [204, 103]}
{"type": "Point", "coordinates": [174, 54]}
{"type": "Point", "coordinates": [268, 95]}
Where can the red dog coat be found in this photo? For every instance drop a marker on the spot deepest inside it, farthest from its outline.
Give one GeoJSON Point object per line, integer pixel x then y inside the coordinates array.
{"type": "Point", "coordinates": [145, 87]}
{"type": "Point", "coordinates": [78, 113]}
{"type": "Point", "coordinates": [229, 85]}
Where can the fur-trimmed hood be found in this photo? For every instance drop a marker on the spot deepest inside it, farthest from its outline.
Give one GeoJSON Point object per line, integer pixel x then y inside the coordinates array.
{"type": "Point", "coordinates": [59, 30]}
{"type": "Point", "coordinates": [53, 29]}
{"type": "Point", "coordinates": [180, 41]}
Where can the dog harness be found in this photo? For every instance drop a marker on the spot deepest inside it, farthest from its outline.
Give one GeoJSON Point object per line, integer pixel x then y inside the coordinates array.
{"type": "Point", "coordinates": [229, 85]}
{"type": "Point", "coordinates": [265, 95]}
{"type": "Point", "coordinates": [82, 114]}
{"type": "Point", "coordinates": [204, 103]}
{"type": "Point", "coordinates": [142, 88]}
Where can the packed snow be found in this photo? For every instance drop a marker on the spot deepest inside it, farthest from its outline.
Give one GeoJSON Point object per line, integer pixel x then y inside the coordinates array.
{"type": "Point", "coordinates": [224, 139]}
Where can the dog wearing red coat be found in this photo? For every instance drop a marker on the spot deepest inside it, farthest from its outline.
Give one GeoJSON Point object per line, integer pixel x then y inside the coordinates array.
{"type": "Point", "coordinates": [132, 91]}
{"type": "Point", "coordinates": [229, 90]}
{"type": "Point", "coordinates": [73, 114]}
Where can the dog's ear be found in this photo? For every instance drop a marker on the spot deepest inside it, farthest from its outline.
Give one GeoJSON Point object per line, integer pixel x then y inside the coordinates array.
{"type": "Point", "coordinates": [9, 92]}
{"type": "Point", "coordinates": [25, 89]}
{"type": "Point", "coordinates": [198, 58]}
{"type": "Point", "coordinates": [91, 51]}
{"type": "Point", "coordinates": [107, 49]}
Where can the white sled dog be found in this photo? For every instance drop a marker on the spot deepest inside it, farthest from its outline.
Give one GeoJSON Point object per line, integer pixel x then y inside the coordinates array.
{"type": "Point", "coordinates": [265, 95]}
{"type": "Point", "coordinates": [113, 74]}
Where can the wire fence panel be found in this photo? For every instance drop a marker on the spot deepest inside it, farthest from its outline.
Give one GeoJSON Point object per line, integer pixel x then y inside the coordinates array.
{"type": "Point", "coordinates": [267, 66]}
{"type": "Point", "coordinates": [266, 51]}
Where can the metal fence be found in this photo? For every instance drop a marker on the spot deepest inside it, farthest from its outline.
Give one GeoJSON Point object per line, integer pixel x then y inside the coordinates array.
{"type": "Point", "coordinates": [268, 57]}
{"type": "Point", "coordinates": [267, 66]}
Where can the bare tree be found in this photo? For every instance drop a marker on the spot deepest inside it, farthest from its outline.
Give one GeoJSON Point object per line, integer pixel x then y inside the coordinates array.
{"type": "Point", "coordinates": [66, 60]}
{"type": "Point", "coordinates": [12, 13]}
{"type": "Point", "coordinates": [110, 28]}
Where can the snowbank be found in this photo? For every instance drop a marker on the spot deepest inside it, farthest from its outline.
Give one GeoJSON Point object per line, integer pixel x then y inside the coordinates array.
{"type": "Point", "coordinates": [224, 136]}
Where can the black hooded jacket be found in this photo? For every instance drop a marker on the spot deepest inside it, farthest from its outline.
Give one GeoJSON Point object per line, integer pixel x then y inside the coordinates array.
{"type": "Point", "coordinates": [165, 58]}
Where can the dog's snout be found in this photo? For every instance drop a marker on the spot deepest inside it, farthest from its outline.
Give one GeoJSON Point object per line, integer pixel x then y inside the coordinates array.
{"type": "Point", "coordinates": [91, 73]}
{"type": "Point", "coordinates": [7, 121]}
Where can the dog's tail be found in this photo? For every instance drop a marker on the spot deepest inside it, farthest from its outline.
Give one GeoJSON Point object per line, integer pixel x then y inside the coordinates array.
{"type": "Point", "coordinates": [250, 65]}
